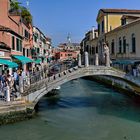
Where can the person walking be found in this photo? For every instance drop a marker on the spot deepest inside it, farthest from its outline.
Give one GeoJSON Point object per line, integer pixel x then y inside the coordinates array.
{"type": "Point", "coordinates": [15, 75]}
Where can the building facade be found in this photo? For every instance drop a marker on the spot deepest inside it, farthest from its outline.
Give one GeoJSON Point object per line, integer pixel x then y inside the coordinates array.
{"type": "Point", "coordinates": [119, 28]}
{"type": "Point", "coordinates": [65, 55]}
{"type": "Point", "coordinates": [15, 34]}
{"type": "Point", "coordinates": [41, 45]}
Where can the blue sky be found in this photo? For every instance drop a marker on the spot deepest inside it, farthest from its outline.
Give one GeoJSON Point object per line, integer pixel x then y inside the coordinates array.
{"type": "Point", "coordinates": [57, 18]}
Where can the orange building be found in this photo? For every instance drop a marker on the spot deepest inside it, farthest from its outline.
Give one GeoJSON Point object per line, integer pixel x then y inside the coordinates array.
{"type": "Point", "coordinates": [66, 55]}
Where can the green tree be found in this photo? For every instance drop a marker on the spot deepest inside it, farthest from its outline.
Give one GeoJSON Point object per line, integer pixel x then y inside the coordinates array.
{"type": "Point", "coordinates": [15, 5]}
{"type": "Point", "coordinates": [26, 15]}
{"type": "Point", "coordinates": [24, 12]}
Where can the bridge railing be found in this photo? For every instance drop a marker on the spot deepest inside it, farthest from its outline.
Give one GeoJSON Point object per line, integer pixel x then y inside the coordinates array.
{"type": "Point", "coordinates": [42, 75]}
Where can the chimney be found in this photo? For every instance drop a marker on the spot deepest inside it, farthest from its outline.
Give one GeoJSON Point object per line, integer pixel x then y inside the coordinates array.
{"type": "Point", "coordinates": [93, 33]}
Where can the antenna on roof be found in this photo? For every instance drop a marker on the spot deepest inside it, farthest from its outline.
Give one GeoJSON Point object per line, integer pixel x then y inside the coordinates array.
{"type": "Point", "coordinates": [69, 38]}
{"type": "Point", "coordinates": [27, 3]}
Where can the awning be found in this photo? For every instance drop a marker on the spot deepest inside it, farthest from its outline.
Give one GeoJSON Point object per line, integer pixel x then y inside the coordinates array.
{"type": "Point", "coordinates": [23, 59]}
{"type": "Point", "coordinates": [8, 63]}
{"type": "Point", "coordinates": [126, 62]}
{"type": "Point", "coordinates": [37, 61]}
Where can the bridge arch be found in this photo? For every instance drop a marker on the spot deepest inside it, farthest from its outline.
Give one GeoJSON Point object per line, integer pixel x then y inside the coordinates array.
{"type": "Point", "coordinates": [72, 74]}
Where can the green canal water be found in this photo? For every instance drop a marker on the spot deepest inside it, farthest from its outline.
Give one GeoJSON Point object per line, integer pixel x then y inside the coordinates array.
{"type": "Point", "coordinates": [84, 110]}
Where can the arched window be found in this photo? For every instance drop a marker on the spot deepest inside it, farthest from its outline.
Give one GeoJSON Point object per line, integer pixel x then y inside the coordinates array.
{"type": "Point", "coordinates": [96, 49]}
{"type": "Point", "coordinates": [87, 48]}
{"type": "Point", "coordinates": [93, 50]}
{"type": "Point", "coordinates": [120, 45]}
{"type": "Point", "coordinates": [133, 43]}
{"type": "Point", "coordinates": [124, 44]}
{"type": "Point", "coordinates": [112, 47]}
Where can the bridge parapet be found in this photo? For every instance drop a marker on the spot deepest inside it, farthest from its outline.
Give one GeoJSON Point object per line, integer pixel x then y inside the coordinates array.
{"type": "Point", "coordinates": [52, 82]}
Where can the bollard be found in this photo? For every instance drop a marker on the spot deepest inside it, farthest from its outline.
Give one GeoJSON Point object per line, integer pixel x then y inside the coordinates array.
{"type": "Point", "coordinates": [8, 94]}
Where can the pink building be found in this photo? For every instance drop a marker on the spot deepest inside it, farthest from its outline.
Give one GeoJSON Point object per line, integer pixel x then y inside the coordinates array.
{"type": "Point", "coordinates": [15, 33]}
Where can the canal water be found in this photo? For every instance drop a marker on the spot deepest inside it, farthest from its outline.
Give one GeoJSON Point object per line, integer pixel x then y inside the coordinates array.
{"type": "Point", "coordinates": [84, 110]}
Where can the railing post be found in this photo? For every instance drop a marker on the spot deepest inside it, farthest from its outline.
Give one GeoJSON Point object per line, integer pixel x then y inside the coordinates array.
{"type": "Point", "coordinates": [28, 78]}
{"type": "Point", "coordinates": [79, 60]}
{"type": "Point", "coordinates": [108, 60]}
{"type": "Point", "coordinates": [8, 93]}
{"type": "Point", "coordinates": [21, 85]}
{"type": "Point", "coordinates": [96, 59]}
{"type": "Point", "coordinates": [86, 59]}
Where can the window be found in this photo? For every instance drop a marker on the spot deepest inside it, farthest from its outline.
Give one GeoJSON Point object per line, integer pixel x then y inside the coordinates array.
{"type": "Point", "coordinates": [95, 35]}
{"type": "Point", "coordinates": [26, 34]}
{"type": "Point", "coordinates": [17, 45]}
{"type": "Point", "coordinates": [93, 50]}
{"type": "Point", "coordinates": [112, 47]}
{"type": "Point", "coordinates": [38, 50]}
{"type": "Point", "coordinates": [133, 43]}
{"type": "Point", "coordinates": [98, 29]}
{"type": "Point", "coordinates": [20, 44]}
{"type": "Point", "coordinates": [69, 54]}
{"type": "Point", "coordinates": [103, 26]}
{"type": "Point", "coordinates": [120, 45]}
{"type": "Point", "coordinates": [23, 51]}
{"type": "Point", "coordinates": [90, 50]}
{"type": "Point", "coordinates": [27, 52]}
{"type": "Point", "coordinates": [35, 35]}
{"type": "Point", "coordinates": [35, 38]}
{"type": "Point", "coordinates": [87, 48]}
{"type": "Point", "coordinates": [97, 49]}
{"type": "Point", "coordinates": [13, 43]}
{"type": "Point", "coordinates": [124, 44]}
{"type": "Point", "coordinates": [123, 21]}
{"type": "Point", "coordinates": [61, 55]}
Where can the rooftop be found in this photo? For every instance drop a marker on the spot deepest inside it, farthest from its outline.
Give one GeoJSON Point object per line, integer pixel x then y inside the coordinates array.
{"type": "Point", "coordinates": [130, 17]}
{"type": "Point", "coordinates": [124, 11]}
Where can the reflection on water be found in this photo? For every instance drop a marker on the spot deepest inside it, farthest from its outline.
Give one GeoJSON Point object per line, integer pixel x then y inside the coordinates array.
{"type": "Point", "coordinates": [84, 110]}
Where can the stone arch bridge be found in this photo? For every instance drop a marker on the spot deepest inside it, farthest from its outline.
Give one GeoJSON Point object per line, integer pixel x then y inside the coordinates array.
{"type": "Point", "coordinates": [36, 91]}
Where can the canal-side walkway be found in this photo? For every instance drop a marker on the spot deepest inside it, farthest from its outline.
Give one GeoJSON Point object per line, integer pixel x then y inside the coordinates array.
{"type": "Point", "coordinates": [12, 106]}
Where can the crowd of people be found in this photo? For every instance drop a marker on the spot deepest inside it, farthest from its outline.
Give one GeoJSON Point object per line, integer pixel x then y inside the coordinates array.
{"type": "Point", "coordinates": [11, 81]}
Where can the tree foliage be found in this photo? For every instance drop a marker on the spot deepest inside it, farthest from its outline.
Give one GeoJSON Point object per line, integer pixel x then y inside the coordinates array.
{"type": "Point", "coordinates": [24, 12]}
{"type": "Point", "coordinates": [15, 5]}
{"type": "Point", "coordinates": [26, 15]}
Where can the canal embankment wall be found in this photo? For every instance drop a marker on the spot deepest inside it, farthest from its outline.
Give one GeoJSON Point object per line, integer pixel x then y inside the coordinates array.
{"type": "Point", "coordinates": [15, 111]}
{"type": "Point", "coordinates": [117, 84]}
